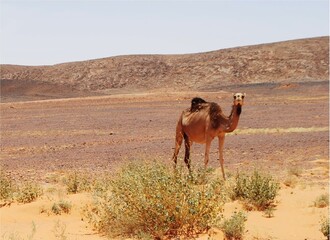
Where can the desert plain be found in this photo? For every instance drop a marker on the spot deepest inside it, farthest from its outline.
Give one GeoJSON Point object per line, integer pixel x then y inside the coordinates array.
{"type": "Point", "coordinates": [283, 128]}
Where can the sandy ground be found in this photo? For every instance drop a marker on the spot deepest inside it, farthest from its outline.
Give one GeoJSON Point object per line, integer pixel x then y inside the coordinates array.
{"type": "Point", "coordinates": [295, 217]}
{"type": "Point", "coordinates": [282, 127]}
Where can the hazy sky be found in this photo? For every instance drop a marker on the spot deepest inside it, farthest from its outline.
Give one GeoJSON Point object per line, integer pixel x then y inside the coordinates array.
{"type": "Point", "coordinates": [51, 32]}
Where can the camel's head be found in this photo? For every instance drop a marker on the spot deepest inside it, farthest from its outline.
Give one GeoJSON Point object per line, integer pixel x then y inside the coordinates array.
{"type": "Point", "coordinates": [239, 99]}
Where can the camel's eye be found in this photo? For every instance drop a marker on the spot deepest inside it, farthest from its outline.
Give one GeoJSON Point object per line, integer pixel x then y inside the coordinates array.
{"type": "Point", "coordinates": [235, 96]}
{"type": "Point", "coordinates": [243, 96]}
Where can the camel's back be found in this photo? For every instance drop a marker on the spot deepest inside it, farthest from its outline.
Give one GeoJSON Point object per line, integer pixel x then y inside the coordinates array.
{"type": "Point", "coordinates": [194, 124]}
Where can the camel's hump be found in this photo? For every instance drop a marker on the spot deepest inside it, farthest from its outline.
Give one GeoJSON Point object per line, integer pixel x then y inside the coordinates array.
{"type": "Point", "coordinates": [196, 103]}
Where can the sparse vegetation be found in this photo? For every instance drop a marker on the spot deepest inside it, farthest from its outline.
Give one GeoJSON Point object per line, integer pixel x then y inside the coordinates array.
{"type": "Point", "coordinates": [292, 178]}
{"type": "Point", "coordinates": [322, 201]}
{"type": "Point", "coordinates": [59, 230]}
{"type": "Point", "coordinates": [28, 192]}
{"type": "Point", "coordinates": [257, 191]}
{"type": "Point", "coordinates": [325, 227]}
{"type": "Point", "coordinates": [234, 227]}
{"type": "Point", "coordinates": [6, 187]}
{"type": "Point", "coordinates": [295, 171]}
{"type": "Point", "coordinates": [148, 199]}
{"type": "Point", "coordinates": [77, 182]}
{"type": "Point", "coordinates": [61, 207]}
{"type": "Point", "coordinates": [269, 212]}
{"type": "Point", "coordinates": [291, 181]}
{"type": "Point", "coordinates": [25, 192]}
{"type": "Point", "coordinates": [17, 236]}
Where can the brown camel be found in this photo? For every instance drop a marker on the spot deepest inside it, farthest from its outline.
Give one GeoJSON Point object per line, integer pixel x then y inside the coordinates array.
{"type": "Point", "coordinates": [204, 121]}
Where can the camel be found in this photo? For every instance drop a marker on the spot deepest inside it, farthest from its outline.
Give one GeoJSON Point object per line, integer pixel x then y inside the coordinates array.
{"type": "Point", "coordinates": [201, 123]}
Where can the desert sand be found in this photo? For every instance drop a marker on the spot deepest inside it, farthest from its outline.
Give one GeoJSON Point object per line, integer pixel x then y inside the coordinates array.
{"type": "Point", "coordinates": [295, 217]}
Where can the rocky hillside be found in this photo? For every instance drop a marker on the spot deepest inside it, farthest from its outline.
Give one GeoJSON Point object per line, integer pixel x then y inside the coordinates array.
{"type": "Point", "coordinates": [290, 61]}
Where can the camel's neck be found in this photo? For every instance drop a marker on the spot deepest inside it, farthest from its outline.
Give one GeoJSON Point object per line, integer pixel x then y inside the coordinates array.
{"type": "Point", "coordinates": [234, 118]}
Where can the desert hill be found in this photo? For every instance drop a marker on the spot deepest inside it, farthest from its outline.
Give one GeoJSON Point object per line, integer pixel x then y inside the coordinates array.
{"type": "Point", "coordinates": [290, 61]}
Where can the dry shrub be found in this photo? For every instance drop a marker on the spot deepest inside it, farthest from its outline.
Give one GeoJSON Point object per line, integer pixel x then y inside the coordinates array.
{"type": "Point", "coordinates": [295, 171]}
{"type": "Point", "coordinates": [322, 201]}
{"type": "Point", "coordinates": [28, 192]}
{"type": "Point", "coordinates": [61, 207]}
{"type": "Point", "coordinates": [325, 227]}
{"type": "Point", "coordinates": [291, 181]}
{"type": "Point", "coordinates": [24, 192]}
{"type": "Point", "coordinates": [149, 199]}
{"type": "Point", "coordinates": [7, 187]}
{"type": "Point", "coordinates": [76, 182]}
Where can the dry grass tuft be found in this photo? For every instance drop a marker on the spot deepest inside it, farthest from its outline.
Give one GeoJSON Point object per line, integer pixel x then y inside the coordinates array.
{"type": "Point", "coordinates": [322, 201]}
{"type": "Point", "coordinates": [234, 227]}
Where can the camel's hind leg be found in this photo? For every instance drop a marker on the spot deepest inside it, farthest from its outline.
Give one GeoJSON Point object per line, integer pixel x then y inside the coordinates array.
{"type": "Point", "coordinates": [187, 145]}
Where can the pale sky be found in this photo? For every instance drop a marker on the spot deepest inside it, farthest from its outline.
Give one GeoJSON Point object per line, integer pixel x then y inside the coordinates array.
{"type": "Point", "coordinates": [50, 32]}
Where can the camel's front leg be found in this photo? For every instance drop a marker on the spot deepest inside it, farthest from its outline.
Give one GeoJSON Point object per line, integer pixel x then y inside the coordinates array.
{"type": "Point", "coordinates": [178, 142]}
{"type": "Point", "coordinates": [221, 144]}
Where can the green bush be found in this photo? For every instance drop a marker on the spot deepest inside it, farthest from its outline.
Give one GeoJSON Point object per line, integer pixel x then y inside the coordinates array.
{"type": "Point", "coordinates": [150, 200]}
{"type": "Point", "coordinates": [234, 227]}
{"type": "Point", "coordinates": [28, 192]}
{"type": "Point", "coordinates": [257, 190]}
